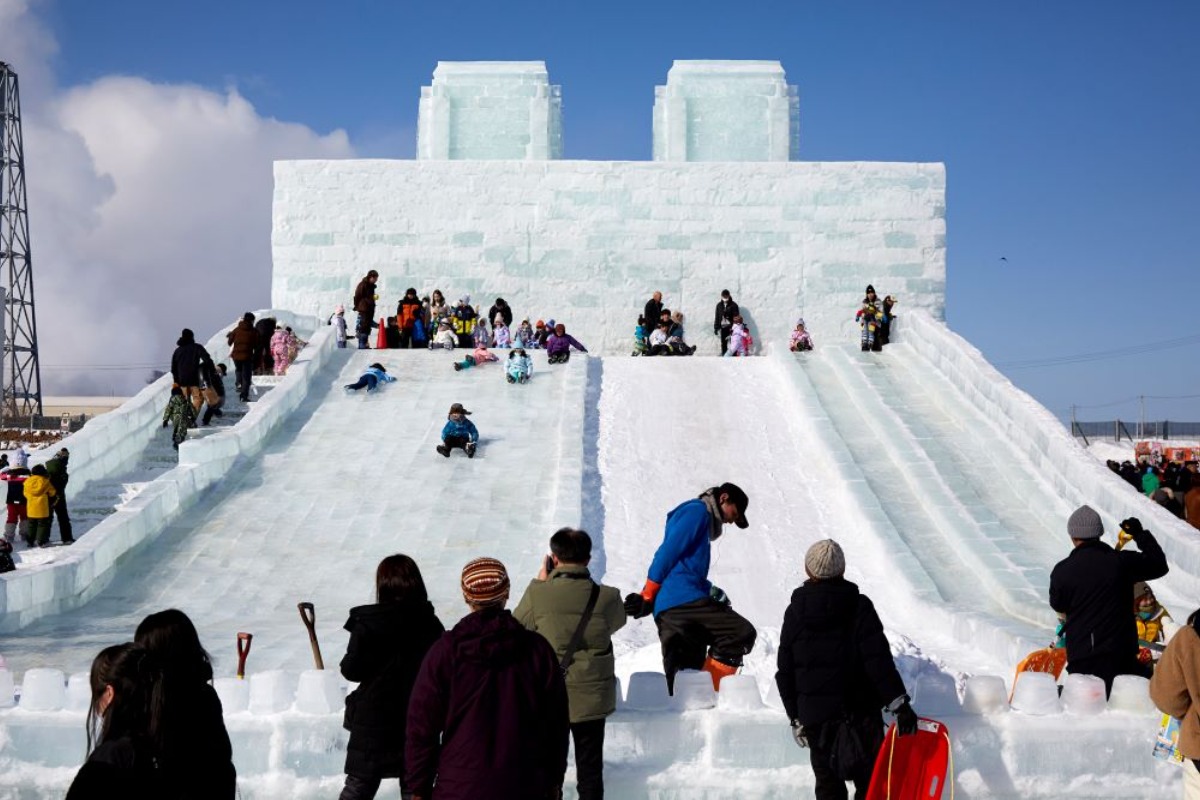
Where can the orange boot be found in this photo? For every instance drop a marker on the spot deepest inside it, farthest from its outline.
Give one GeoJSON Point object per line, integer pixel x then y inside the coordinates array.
{"type": "Point", "coordinates": [718, 670]}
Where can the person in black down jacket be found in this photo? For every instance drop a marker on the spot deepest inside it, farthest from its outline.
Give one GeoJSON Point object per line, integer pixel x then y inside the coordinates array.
{"type": "Point", "coordinates": [1093, 587]}
{"type": "Point", "coordinates": [124, 761]}
{"type": "Point", "coordinates": [186, 364]}
{"type": "Point", "coordinates": [488, 715]}
{"type": "Point", "coordinates": [388, 641]}
{"type": "Point", "coordinates": [835, 665]}
{"type": "Point", "coordinates": [723, 320]}
{"type": "Point", "coordinates": [195, 757]}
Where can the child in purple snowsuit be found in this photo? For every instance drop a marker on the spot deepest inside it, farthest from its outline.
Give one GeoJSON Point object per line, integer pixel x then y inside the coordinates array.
{"type": "Point", "coordinates": [559, 344]}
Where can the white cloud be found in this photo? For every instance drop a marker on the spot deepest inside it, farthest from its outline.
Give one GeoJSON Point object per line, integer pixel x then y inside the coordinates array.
{"type": "Point", "coordinates": [150, 209]}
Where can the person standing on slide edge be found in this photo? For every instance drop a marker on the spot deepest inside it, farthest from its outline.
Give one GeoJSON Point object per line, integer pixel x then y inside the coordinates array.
{"type": "Point", "coordinates": [697, 626]}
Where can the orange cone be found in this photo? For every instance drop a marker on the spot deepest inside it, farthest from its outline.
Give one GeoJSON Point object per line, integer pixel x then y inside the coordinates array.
{"type": "Point", "coordinates": [718, 670]}
{"type": "Point", "coordinates": [381, 339]}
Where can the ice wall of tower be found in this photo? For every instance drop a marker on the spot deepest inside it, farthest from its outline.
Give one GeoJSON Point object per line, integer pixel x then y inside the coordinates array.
{"type": "Point", "coordinates": [490, 110]}
{"type": "Point", "coordinates": [726, 111]}
{"type": "Point", "coordinates": [586, 242]}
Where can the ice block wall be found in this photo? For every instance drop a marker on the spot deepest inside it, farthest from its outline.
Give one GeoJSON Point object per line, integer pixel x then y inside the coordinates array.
{"type": "Point", "coordinates": [726, 111]}
{"type": "Point", "coordinates": [490, 110]}
{"type": "Point", "coordinates": [587, 242]}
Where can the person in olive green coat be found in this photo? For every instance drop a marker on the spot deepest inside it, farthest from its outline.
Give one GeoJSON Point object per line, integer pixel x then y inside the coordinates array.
{"type": "Point", "coordinates": [553, 606]}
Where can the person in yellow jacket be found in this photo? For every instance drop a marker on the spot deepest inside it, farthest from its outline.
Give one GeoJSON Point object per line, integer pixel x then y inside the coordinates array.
{"type": "Point", "coordinates": [1149, 614]}
{"type": "Point", "coordinates": [39, 496]}
{"type": "Point", "coordinates": [1175, 689]}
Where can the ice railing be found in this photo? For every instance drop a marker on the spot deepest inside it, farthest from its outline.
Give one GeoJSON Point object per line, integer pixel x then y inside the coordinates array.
{"type": "Point", "coordinates": [287, 737]}
{"type": "Point", "coordinates": [1062, 463]}
{"type": "Point", "coordinates": [35, 591]}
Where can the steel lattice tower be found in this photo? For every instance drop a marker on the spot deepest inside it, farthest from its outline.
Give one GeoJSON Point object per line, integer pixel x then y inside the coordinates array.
{"type": "Point", "coordinates": [22, 374]}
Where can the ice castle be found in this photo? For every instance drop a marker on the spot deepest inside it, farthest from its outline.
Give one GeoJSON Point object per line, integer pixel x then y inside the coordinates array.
{"type": "Point", "coordinates": [946, 485]}
{"type": "Point", "coordinates": [490, 208]}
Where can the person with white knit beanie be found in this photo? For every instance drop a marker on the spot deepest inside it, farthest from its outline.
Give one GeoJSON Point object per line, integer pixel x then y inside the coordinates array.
{"type": "Point", "coordinates": [835, 672]}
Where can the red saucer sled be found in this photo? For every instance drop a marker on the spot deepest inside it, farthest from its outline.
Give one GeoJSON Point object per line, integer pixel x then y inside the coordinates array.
{"type": "Point", "coordinates": [913, 767]}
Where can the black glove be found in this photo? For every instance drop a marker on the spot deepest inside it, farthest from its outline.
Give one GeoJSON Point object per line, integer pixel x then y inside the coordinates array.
{"type": "Point", "coordinates": [636, 605]}
{"type": "Point", "coordinates": [1133, 526]}
{"type": "Point", "coordinates": [799, 734]}
{"type": "Point", "coordinates": [164, 423]}
{"type": "Point", "coordinates": [906, 720]}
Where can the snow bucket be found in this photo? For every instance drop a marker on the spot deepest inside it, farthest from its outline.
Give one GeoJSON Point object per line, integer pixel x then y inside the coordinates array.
{"type": "Point", "coordinates": [694, 690]}
{"type": "Point", "coordinates": [985, 694]}
{"type": "Point", "coordinates": [1083, 694]}
{"type": "Point", "coordinates": [234, 694]}
{"type": "Point", "coordinates": [43, 690]}
{"type": "Point", "coordinates": [739, 693]}
{"type": "Point", "coordinates": [319, 692]}
{"type": "Point", "coordinates": [79, 691]}
{"type": "Point", "coordinates": [1036, 693]}
{"type": "Point", "coordinates": [271, 692]}
{"type": "Point", "coordinates": [648, 692]}
{"type": "Point", "coordinates": [8, 691]}
{"type": "Point", "coordinates": [1131, 693]}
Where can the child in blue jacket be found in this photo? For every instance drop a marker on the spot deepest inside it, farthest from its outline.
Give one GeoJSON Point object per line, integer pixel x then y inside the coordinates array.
{"type": "Point", "coordinates": [375, 375]}
{"type": "Point", "coordinates": [458, 432]}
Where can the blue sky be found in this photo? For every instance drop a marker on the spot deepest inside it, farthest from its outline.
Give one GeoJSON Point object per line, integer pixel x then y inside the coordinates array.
{"type": "Point", "coordinates": [1069, 131]}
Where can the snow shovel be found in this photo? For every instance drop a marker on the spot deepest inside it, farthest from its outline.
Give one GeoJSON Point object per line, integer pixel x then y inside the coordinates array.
{"type": "Point", "coordinates": [243, 651]}
{"type": "Point", "coordinates": [309, 614]}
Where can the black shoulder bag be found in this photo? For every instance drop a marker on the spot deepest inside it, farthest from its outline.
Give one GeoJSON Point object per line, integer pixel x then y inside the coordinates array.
{"type": "Point", "coordinates": [577, 637]}
{"type": "Point", "coordinates": [841, 737]}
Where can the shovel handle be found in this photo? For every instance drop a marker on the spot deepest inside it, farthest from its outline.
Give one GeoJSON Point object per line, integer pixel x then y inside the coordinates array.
{"type": "Point", "coordinates": [243, 650]}
{"type": "Point", "coordinates": [308, 613]}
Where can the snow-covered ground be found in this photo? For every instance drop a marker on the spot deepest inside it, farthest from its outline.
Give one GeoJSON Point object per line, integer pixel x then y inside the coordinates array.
{"type": "Point", "coordinates": [950, 521]}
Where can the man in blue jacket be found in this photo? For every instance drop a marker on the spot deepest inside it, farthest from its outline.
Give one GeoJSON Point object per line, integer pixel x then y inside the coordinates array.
{"type": "Point", "coordinates": [696, 625]}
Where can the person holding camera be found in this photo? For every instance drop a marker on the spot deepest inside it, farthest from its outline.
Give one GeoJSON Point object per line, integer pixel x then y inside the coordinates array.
{"type": "Point", "coordinates": [1093, 587]}
{"type": "Point", "coordinates": [697, 625]}
{"type": "Point", "coordinates": [835, 673]}
{"type": "Point", "coordinates": [578, 617]}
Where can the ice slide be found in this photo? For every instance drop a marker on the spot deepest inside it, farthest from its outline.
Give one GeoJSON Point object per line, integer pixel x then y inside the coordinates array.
{"type": "Point", "coordinates": [616, 443]}
{"type": "Point", "coordinates": [345, 481]}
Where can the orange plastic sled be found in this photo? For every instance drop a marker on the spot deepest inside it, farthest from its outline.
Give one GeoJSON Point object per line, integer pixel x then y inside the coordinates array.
{"type": "Point", "coordinates": [1048, 659]}
{"type": "Point", "coordinates": [913, 767]}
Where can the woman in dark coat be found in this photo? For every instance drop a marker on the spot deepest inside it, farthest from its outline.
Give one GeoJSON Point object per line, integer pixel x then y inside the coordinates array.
{"type": "Point", "coordinates": [388, 641]}
{"type": "Point", "coordinates": [119, 722]}
{"type": "Point", "coordinates": [195, 756]}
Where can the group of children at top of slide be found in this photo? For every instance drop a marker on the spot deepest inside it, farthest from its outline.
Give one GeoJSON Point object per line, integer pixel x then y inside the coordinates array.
{"type": "Point", "coordinates": [667, 338]}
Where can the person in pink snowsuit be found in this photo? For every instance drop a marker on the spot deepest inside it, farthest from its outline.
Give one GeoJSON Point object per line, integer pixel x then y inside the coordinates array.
{"type": "Point", "coordinates": [481, 356]}
{"type": "Point", "coordinates": [739, 339]}
{"type": "Point", "coordinates": [281, 350]}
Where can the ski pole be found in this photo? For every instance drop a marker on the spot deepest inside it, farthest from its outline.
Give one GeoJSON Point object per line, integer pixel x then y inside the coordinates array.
{"type": "Point", "coordinates": [243, 650]}
{"type": "Point", "coordinates": [309, 614]}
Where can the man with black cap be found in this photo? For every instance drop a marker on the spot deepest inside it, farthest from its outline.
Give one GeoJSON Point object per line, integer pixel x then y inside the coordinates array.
{"type": "Point", "coordinates": [697, 626]}
{"type": "Point", "coordinates": [1093, 587]}
{"type": "Point", "coordinates": [836, 673]}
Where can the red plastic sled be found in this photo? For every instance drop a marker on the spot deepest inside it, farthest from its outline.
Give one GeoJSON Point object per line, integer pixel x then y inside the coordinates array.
{"type": "Point", "coordinates": [913, 767]}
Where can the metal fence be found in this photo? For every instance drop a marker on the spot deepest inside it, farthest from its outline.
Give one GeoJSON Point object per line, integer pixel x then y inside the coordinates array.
{"type": "Point", "coordinates": [67, 423]}
{"type": "Point", "coordinates": [1135, 431]}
